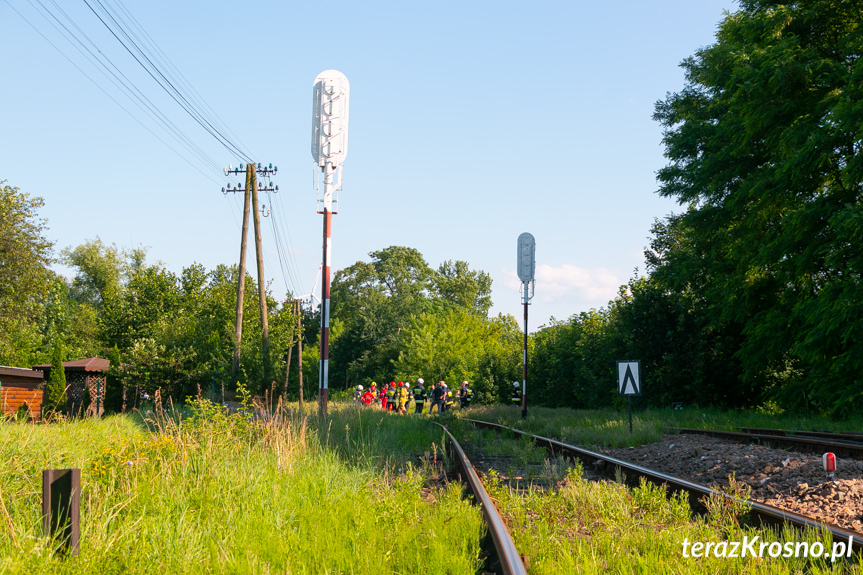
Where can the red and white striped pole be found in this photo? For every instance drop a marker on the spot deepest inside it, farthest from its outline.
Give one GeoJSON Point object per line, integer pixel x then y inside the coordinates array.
{"type": "Point", "coordinates": [323, 378]}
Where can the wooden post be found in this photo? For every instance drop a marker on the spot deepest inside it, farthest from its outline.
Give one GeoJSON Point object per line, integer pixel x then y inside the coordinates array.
{"type": "Point", "coordinates": [61, 507]}
{"type": "Point", "coordinates": [241, 281]}
{"type": "Point", "coordinates": [262, 281]}
{"type": "Point", "coordinates": [300, 351]}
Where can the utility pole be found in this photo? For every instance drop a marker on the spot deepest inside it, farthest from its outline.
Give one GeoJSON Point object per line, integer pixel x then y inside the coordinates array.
{"type": "Point", "coordinates": [250, 196]}
{"type": "Point", "coordinates": [300, 349]}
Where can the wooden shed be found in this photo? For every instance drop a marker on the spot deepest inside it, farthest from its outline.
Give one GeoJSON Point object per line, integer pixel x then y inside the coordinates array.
{"type": "Point", "coordinates": [85, 379]}
{"type": "Point", "coordinates": [21, 387]}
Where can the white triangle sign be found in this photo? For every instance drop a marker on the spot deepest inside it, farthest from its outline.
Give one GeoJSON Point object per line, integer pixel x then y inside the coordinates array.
{"type": "Point", "coordinates": [629, 382]}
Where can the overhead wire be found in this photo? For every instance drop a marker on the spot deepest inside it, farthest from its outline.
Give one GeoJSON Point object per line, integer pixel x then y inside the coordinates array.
{"type": "Point", "coordinates": [122, 25]}
{"type": "Point", "coordinates": [168, 86]}
{"type": "Point", "coordinates": [104, 64]}
{"type": "Point", "coordinates": [102, 89]}
{"type": "Point", "coordinates": [177, 75]}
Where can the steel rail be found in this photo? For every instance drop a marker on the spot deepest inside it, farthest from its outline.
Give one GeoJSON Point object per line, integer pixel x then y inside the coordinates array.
{"type": "Point", "coordinates": [842, 448]}
{"type": "Point", "coordinates": [508, 555]}
{"type": "Point", "coordinates": [843, 436]}
{"type": "Point", "coordinates": [766, 513]}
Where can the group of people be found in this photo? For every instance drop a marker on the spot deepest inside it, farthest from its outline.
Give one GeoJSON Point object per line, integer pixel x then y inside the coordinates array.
{"type": "Point", "coordinates": [399, 396]}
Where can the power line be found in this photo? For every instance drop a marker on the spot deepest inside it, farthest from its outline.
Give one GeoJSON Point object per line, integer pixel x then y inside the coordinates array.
{"type": "Point", "coordinates": [175, 94]}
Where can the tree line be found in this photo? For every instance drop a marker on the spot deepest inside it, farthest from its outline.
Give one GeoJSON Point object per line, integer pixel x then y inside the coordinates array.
{"type": "Point", "coordinates": [752, 293]}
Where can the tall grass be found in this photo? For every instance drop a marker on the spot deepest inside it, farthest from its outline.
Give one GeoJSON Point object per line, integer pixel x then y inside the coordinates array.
{"type": "Point", "coordinates": [218, 493]}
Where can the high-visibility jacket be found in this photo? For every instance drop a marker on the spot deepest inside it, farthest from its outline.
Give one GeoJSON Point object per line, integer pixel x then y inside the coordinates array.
{"type": "Point", "coordinates": [419, 394]}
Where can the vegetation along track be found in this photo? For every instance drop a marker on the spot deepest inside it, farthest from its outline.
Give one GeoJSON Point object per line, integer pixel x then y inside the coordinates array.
{"type": "Point", "coordinates": [765, 513]}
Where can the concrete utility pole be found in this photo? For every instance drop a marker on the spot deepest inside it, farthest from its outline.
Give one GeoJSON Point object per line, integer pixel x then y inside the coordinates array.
{"type": "Point", "coordinates": [250, 196]}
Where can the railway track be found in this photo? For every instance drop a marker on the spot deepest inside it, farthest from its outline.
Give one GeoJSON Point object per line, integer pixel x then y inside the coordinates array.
{"type": "Point", "coordinates": [843, 445]}
{"type": "Point", "coordinates": [695, 492]}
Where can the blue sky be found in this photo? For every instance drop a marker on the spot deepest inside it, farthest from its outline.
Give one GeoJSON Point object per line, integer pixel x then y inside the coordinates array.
{"type": "Point", "coordinates": [470, 123]}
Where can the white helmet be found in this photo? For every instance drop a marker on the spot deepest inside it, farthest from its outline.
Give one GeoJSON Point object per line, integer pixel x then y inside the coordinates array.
{"type": "Point", "coordinates": [420, 380]}
{"type": "Point", "coordinates": [359, 388]}
{"type": "Point", "coordinates": [464, 383]}
{"type": "Point", "coordinates": [515, 384]}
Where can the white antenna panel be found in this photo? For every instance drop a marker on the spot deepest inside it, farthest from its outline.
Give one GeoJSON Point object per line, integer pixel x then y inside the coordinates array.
{"type": "Point", "coordinates": [330, 119]}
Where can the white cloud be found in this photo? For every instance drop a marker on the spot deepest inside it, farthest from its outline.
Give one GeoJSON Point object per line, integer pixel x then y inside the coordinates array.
{"type": "Point", "coordinates": [567, 289]}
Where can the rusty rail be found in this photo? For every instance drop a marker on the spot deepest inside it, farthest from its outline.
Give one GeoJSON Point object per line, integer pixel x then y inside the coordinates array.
{"type": "Point", "coordinates": [508, 556]}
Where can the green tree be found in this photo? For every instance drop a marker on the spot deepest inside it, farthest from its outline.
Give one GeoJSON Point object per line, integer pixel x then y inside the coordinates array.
{"type": "Point", "coordinates": [55, 391]}
{"type": "Point", "coordinates": [764, 147]}
{"type": "Point", "coordinates": [461, 346]}
{"type": "Point", "coordinates": [378, 304]}
{"type": "Point", "coordinates": [24, 258]}
{"type": "Point", "coordinates": [455, 285]}
{"type": "Point", "coordinates": [101, 270]}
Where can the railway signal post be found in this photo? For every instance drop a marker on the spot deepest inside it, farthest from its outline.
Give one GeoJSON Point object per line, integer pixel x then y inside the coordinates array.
{"type": "Point", "coordinates": [526, 265]}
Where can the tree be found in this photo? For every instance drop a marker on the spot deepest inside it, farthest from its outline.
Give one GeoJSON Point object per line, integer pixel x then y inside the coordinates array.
{"type": "Point", "coordinates": [379, 303]}
{"type": "Point", "coordinates": [55, 391]}
{"type": "Point", "coordinates": [457, 286]}
{"type": "Point", "coordinates": [101, 270]}
{"type": "Point", "coordinates": [24, 258]}
{"type": "Point", "coordinates": [764, 147]}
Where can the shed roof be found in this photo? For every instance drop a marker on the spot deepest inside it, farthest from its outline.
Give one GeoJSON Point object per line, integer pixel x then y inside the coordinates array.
{"type": "Point", "coordinates": [86, 364]}
{"type": "Point", "coordinates": [21, 372]}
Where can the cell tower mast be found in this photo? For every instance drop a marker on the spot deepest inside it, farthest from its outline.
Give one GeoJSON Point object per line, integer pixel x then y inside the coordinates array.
{"type": "Point", "coordinates": [329, 148]}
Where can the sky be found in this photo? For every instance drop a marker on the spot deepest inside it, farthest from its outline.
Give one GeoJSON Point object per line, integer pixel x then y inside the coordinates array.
{"type": "Point", "coordinates": [470, 123]}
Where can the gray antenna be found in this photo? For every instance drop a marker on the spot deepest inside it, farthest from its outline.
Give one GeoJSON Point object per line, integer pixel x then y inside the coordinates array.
{"type": "Point", "coordinates": [330, 110]}
{"type": "Point", "coordinates": [526, 267]}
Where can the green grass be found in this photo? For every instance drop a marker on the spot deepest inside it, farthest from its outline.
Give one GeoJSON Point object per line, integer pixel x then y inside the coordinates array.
{"type": "Point", "coordinates": [218, 494]}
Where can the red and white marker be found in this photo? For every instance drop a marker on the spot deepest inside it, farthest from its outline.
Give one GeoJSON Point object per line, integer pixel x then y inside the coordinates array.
{"type": "Point", "coordinates": [829, 462]}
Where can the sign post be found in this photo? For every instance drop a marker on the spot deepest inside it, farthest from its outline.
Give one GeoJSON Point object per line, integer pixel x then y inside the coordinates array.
{"type": "Point", "coordinates": [629, 382]}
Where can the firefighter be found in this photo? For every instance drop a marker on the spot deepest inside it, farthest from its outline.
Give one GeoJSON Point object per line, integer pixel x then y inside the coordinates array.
{"type": "Point", "coordinates": [358, 393]}
{"type": "Point", "coordinates": [391, 396]}
{"type": "Point", "coordinates": [367, 398]}
{"type": "Point", "coordinates": [449, 400]}
{"type": "Point", "coordinates": [383, 396]}
{"type": "Point", "coordinates": [419, 396]}
{"type": "Point", "coordinates": [403, 397]}
{"type": "Point", "coordinates": [516, 394]}
{"type": "Point", "coordinates": [464, 395]}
